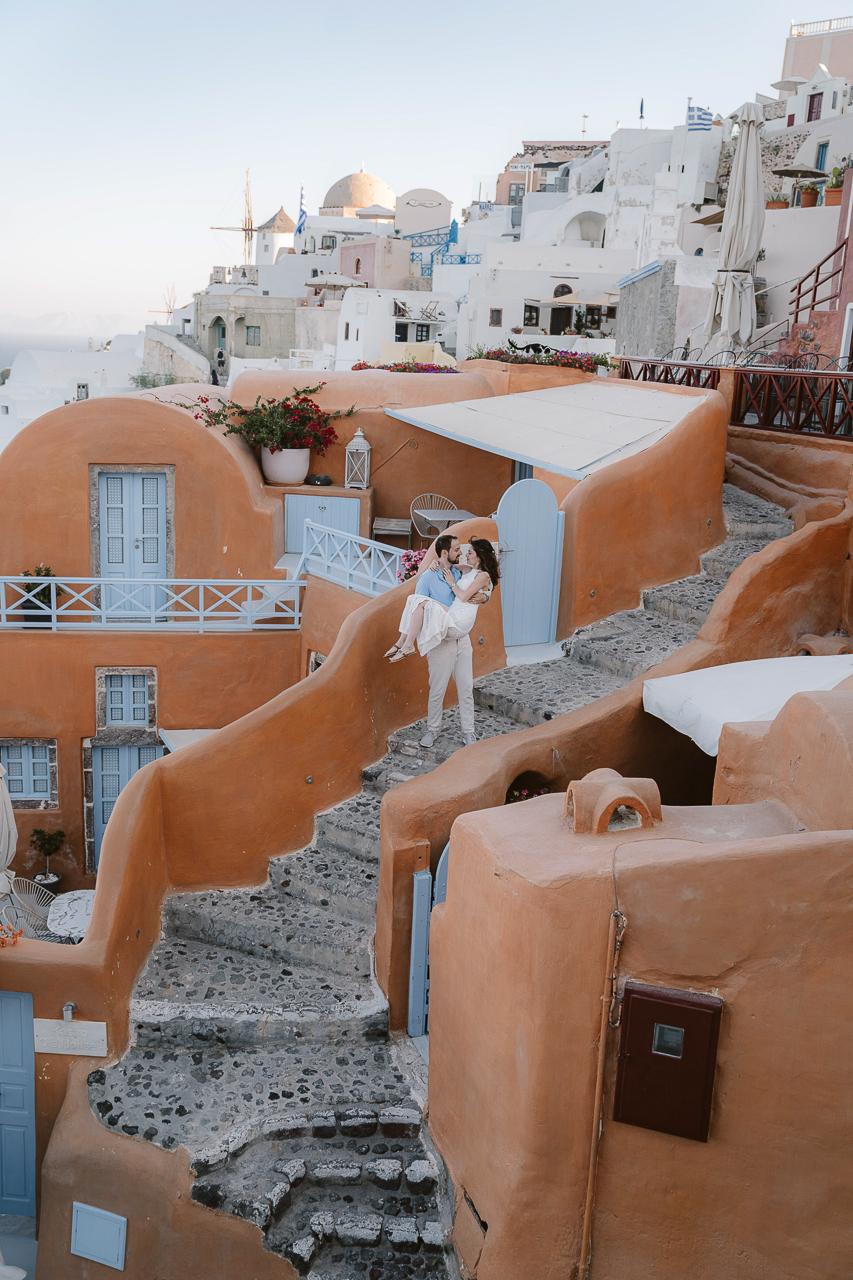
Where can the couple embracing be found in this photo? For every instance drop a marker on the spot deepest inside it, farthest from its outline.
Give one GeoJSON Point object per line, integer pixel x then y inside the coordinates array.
{"type": "Point", "coordinates": [439, 617]}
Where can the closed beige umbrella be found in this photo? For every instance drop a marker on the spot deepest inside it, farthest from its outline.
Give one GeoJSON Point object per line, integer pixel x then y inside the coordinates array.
{"type": "Point", "coordinates": [731, 315]}
{"type": "Point", "coordinates": [8, 835]}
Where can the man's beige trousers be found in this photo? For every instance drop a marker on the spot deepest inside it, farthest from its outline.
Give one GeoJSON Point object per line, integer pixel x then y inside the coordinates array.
{"type": "Point", "coordinates": [451, 658]}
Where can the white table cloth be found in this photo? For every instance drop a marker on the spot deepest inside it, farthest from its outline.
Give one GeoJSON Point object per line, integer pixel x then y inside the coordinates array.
{"type": "Point", "coordinates": [69, 913]}
{"type": "Point", "coordinates": [699, 703]}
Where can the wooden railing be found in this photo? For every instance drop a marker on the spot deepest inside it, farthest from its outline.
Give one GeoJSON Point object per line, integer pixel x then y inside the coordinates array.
{"type": "Point", "coordinates": [806, 295]}
{"type": "Point", "coordinates": [675, 373]}
{"type": "Point", "coordinates": [797, 403]}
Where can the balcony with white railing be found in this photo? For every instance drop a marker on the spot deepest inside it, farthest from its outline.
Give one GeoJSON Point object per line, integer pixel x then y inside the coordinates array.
{"type": "Point", "coordinates": [136, 604]}
{"type": "Point", "coordinates": [821, 28]}
{"type": "Point", "coordinates": [359, 564]}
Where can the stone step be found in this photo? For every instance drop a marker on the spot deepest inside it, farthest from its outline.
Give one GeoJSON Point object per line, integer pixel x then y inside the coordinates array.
{"type": "Point", "coordinates": [722, 561]}
{"type": "Point", "coordinates": [404, 745]}
{"type": "Point", "coordinates": [351, 827]}
{"type": "Point", "coordinates": [688, 600]}
{"type": "Point", "coordinates": [195, 993]}
{"type": "Point", "coordinates": [222, 1101]}
{"type": "Point", "coordinates": [531, 695]}
{"type": "Point", "coordinates": [262, 922]}
{"type": "Point", "coordinates": [748, 516]}
{"type": "Point", "coordinates": [627, 644]}
{"type": "Point", "coordinates": [329, 881]}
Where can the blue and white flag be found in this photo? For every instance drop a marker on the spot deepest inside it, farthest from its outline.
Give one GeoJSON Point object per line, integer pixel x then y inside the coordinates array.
{"type": "Point", "coordinates": [303, 216]}
{"type": "Point", "coordinates": [698, 119]}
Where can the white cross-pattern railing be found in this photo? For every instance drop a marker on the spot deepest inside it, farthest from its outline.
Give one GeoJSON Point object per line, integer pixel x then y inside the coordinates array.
{"type": "Point", "coordinates": [185, 604]}
{"type": "Point", "coordinates": [357, 563]}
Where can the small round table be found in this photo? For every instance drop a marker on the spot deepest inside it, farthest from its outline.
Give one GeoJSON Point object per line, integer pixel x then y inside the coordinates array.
{"type": "Point", "coordinates": [69, 913]}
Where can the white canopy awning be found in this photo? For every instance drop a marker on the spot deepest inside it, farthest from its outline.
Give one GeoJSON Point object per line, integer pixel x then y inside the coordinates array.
{"type": "Point", "coordinates": [699, 703]}
{"type": "Point", "coordinates": [177, 738]}
{"type": "Point", "coordinates": [572, 430]}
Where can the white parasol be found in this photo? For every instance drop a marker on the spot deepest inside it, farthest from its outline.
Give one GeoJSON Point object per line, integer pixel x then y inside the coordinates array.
{"type": "Point", "coordinates": [8, 835]}
{"type": "Point", "coordinates": [731, 313]}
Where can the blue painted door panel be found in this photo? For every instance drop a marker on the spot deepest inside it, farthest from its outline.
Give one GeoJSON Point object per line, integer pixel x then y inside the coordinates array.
{"type": "Point", "coordinates": [112, 769]}
{"type": "Point", "coordinates": [530, 528]}
{"type": "Point", "coordinates": [133, 533]}
{"type": "Point", "coordinates": [17, 1105]}
{"type": "Point", "coordinates": [334, 512]}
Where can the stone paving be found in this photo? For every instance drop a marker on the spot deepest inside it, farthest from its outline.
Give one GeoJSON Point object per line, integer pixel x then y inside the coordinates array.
{"type": "Point", "coordinates": [261, 1039]}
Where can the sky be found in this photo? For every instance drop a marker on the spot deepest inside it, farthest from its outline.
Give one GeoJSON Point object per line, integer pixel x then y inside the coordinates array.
{"type": "Point", "coordinates": [128, 129]}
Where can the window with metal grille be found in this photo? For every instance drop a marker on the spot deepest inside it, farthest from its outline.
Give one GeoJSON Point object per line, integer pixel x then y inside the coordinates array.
{"type": "Point", "coordinates": [115, 520]}
{"type": "Point", "coordinates": [496, 317]}
{"type": "Point", "coordinates": [531, 316]}
{"type": "Point", "coordinates": [422, 333]}
{"type": "Point", "coordinates": [127, 699]}
{"type": "Point", "coordinates": [27, 768]}
{"type": "Point", "coordinates": [253, 335]}
{"type": "Point", "coordinates": [516, 192]}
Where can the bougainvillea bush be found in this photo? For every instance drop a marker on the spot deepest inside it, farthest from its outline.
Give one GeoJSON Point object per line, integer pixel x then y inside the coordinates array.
{"type": "Point", "coordinates": [293, 422]}
{"type": "Point", "coordinates": [562, 359]}
{"type": "Point", "coordinates": [407, 366]}
{"type": "Point", "coordinates": [410, 564]}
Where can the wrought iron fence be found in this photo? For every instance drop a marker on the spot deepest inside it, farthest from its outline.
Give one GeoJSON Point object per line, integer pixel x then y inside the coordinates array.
{"type": "Point", "coordinates": [183, 604]}
{"type": "Point", "coordinates": [798, 402]}
{"type": "Point", "coordinates": [675, 373]}
{"type": "Point", "coordinates": [357, 563]}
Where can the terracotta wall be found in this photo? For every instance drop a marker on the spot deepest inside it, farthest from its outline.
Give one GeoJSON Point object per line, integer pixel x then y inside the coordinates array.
{"type": "Point", "coordinates": [405, 461]}
{"type": "Point", "coordinates": [224, 525]}
{"type": "Point", "coordinates": [47, 690]}
{"type": "Point", "coordinates": [794, 586]}
{"type": "Point", "coordinates": [518, 966]}
{"type": "Point", "coordinates": [807, 475]}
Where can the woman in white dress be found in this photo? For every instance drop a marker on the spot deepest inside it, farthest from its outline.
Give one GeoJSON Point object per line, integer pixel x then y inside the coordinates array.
{"type": "Point", "coordinates": [429, 621]}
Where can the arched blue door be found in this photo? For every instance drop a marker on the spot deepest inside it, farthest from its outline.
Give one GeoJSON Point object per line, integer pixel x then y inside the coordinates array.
{"type": "Point", "coordinates": [530, 528]}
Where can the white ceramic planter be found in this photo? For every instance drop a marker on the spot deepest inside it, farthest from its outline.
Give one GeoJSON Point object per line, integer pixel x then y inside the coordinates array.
{"type": "Point", "coordinates": [286, 466]}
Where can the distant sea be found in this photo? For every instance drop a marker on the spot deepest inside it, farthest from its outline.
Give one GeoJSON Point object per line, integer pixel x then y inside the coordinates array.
{"type": "Point", "coordinates": [12, 343]}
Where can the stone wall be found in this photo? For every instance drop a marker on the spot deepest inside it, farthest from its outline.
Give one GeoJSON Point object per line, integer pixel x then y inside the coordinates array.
{"type": "Point", "coordinates": [645, 320]}
{"type": "Point", "coordinates": [164, 353]}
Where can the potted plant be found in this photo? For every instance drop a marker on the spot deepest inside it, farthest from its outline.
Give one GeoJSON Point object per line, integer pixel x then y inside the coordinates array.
{"type": "Point", "coordinates": [777, 204]}
{"type": "Point", "coordinates": [46, 843]}
{"type": "Point", "coordinates": [808, 196]}
{"type": "Point", "coordinates": [286, 430]}
{"type": "Point", "coordinates": [834, 187]}
{"type": "Point", "coordinates": [38, 601]}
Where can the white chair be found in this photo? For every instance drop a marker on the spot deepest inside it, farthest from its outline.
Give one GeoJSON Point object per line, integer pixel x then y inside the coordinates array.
{"type": "Point", "coordinates": [8, 1272]}
{"type": "Point", "coordinates": [428, 502]}
{"type": "Point", "coordinates": [33, 897]}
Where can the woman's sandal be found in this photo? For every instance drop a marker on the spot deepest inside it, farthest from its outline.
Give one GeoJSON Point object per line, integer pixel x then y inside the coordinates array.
{"type": "Point", "coordinates": [395, 648]}
{"type": "Point", "coordinates": [400, 654]}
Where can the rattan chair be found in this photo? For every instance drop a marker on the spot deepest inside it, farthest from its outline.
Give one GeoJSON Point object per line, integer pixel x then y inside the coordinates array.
{"type": "Point", "coordinates": [32, 897]}
{"type": "Point", "coordinates": [431, 501]}
{"type": "Point", "coordinates": [30, 923]}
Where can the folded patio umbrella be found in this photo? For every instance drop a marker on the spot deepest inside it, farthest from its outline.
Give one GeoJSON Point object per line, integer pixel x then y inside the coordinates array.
{"type": "Point", "coordinates": [731, 313]}
{"type": "Point", "coordinates": [8, 835]}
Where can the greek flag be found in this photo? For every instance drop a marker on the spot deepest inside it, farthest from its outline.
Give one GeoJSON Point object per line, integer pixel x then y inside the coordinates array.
{"type": "Point", "coordinates": [301, 220]}
{"type": "Point", "coordinates": [698, 119]}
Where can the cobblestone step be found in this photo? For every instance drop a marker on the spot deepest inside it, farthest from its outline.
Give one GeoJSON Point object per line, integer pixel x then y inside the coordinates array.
{"type": "Point", "coordinates": [328, 880]}
{"type": "Point", "coordinates": [688, 600]}
{"type": "Point", "coordinates": [352, 827]}
{"type": "Point", "coordinates": [261, 922]}
{"type": "Point", "coordinates": [532, 695]}
{"type": "Point", "coordinates": [748, 516]}
{"type": "Point", "coordinates": [723, 560]}
{"type": "Point", "coordinates": [197, 994]}
{"type": "Point", "coordinates": [627, 644]}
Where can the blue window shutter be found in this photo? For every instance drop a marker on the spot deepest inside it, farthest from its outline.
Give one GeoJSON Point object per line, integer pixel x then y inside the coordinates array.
{"type": "Point", "coordinates": [27, 768]}
{"type": "Point", "coordinates": [127, 699]}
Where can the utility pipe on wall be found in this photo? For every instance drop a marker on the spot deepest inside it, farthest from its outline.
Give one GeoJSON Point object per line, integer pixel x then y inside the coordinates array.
{"type": "Point", "coordinates": [618, 925]}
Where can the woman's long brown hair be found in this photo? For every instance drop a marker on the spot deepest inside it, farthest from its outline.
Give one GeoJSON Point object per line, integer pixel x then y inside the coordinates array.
{"type": "Point", "coordinates": [488, 560]}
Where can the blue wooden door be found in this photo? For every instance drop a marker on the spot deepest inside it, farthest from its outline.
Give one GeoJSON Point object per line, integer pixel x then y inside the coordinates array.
{"type": "Point", "coordinates": [17, 1105]}
{"type": "Point", "coordinates": [530, 528]}
{"type": "Point", "coordinates": [112, 769]}
{"type": "Point", "coordinates": [133, 536]}
{"type": "Point", "coordinates": [333, 512]}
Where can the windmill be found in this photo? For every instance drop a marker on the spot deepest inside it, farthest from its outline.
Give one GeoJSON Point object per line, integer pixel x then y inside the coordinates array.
{"type": "Point", "coordinates": [169, 299]}
{"type": "Point", "coordinates": [247, 228]}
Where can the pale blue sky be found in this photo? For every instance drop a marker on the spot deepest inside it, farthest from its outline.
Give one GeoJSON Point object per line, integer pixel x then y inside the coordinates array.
{"type": "Point", "coordinates": [128, 128]}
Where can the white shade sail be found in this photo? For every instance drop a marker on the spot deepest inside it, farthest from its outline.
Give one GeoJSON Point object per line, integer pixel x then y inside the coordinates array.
{"type": "Point", "coordinates": [572, 430]}
{"type": "Point", "coordinates": [8, 834]}
{"type": "Point", "coordinates": [699, 703]}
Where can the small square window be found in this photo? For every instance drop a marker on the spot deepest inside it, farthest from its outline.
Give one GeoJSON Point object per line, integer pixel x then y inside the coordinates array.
{"type": "Point", "coordinates": [253, 335]}
{"type": "Point", "coordinates": [346, 331]}
{"type": "Point", "coordinates": [4, 408]}
{"type": "Point", "coordinates": [531, 316]}
{"type": "Point", "coordinates": [668, 1040]}
{"type": "Point", "coordinates": [496, 318]}
{"type": "Point", "coordinates": [27, 765]}
{"type": "Point", "coordinates": [328, 242]}
{"type": "Point", "coordinates": [266, 248]}
{"type": "Point", "coordinates": [82, 391]}
{"type": "Point", "coordinates": [422, 333]}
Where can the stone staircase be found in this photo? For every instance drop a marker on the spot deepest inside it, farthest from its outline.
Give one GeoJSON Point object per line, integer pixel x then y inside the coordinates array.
{"type": "Point", "coordinates": [260, 1038]}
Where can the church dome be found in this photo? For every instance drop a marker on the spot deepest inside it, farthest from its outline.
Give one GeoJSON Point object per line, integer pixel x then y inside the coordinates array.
{"type": "Point", "coordinates": [357, 191]}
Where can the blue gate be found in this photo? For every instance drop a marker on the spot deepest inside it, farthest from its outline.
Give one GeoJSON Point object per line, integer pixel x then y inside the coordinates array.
{"type": "Point", "coordinates": [17, 1105]}
{"type": "Point", "coordinates": [530, 528]}
{"type": "Point", "coordinates": [426, 895]}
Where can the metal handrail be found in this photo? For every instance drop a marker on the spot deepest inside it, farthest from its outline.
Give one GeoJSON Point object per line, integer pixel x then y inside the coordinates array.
{"type": "Point", "coordinates": [674, 372]}
{"type": "Point", "coordinates": [357, 563]}
{"type": "Point", "coordinates": [794, 401]}
{"type": "Point", "coordinates": [181, 604]}
{"type": "Point", "coordinates": [798, 289]}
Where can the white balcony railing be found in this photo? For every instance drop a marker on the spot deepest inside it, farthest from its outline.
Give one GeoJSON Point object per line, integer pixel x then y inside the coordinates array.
{"type": "Point", "coordinates": [357, 563]}
{"type": "Point", "coordinates": [133, 604]}
{"type": "Point", "coordinates": [821, 28]}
